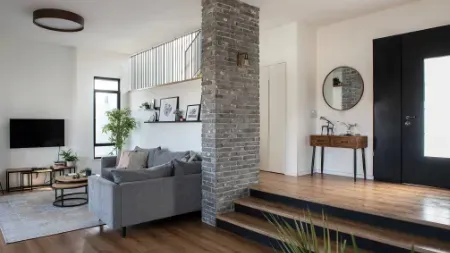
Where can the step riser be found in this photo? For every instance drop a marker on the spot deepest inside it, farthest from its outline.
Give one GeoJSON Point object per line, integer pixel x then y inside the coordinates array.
{"type": "Point", "coordinates": [388, 223]}
{"type": "Point", "coordinates": [361, 242]}
{"type": "Point", "coordinates": [251, 235]}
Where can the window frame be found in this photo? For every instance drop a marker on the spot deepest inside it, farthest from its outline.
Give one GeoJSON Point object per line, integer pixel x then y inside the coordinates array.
{"type": "Point", "coordinates": [94, 116]}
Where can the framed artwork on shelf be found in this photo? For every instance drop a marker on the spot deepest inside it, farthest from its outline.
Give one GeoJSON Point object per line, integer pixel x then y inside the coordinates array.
{"type": "Point", "coordinates": [193, 112]}
{"type": "Point", "coordinates": [167, 109]}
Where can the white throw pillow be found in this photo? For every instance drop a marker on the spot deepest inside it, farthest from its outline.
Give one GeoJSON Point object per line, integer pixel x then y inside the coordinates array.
{"type": "Point", "coordinates": [133, 160]}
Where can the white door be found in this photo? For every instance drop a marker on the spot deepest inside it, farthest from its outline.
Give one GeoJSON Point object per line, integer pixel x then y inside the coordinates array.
{"type": "Point", "coordinates": [273, 118]}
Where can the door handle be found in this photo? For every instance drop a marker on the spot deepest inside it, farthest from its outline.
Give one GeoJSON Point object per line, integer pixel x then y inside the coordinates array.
{"type": "Point", "coordinates": [410, 117]}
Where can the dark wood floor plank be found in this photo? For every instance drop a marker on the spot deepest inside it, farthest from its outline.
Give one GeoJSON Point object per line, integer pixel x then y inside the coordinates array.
{"type": "Point", "coordinates": [180, 234]}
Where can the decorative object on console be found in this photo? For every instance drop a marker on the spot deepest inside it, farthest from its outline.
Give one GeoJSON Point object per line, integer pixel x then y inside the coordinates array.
{"type": "Point", "coordinates": [119, 127]}
{"type": "Point", "coordinates": [329, 126]}
{"type": "Point", "coordinates": [349, 130]}
{"type": "Point", "coordinates": [193, 112]}
{"type": "Point", "coordinates": [167, 108]}
{"type": "Point", "coordinates": [70, 157]}
{"type": "Point", "coordinates": [343, 88]}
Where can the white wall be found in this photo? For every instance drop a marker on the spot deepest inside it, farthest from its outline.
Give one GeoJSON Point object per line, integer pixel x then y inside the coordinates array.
{"type": "Point", "coordinates": [36, 82]}
{"type": "Point", "coordinates": [306, 94]}
{"type": "Point", "coordinates": [40, 80]}
{"type": "Point", "coordinates": [294, 44]}
{"type": "Point", "coordinates": [88, 65]}
{"type": "Point", "coordinates": [175, 136]}
{"type": "Point", "coordinates": [350, 43]}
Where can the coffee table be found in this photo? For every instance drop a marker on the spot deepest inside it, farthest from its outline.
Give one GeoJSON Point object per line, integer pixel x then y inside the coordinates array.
{"type": "Point", "coordinates": [64, 183]}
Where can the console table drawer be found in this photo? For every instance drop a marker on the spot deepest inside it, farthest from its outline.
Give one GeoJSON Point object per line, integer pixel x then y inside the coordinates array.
{"type": "Point", "coordinates": [319, 140]}
{"type": "Point", "coordinates": [343, 142]}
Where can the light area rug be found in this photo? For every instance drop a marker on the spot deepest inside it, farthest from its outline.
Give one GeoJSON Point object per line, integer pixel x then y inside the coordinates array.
{"type": "Point", "coordinates": [32, 215]}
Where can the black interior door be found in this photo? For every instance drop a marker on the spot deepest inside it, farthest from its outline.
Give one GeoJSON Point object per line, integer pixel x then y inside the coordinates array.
{"type": "Point", "coordinates": [425, 101]}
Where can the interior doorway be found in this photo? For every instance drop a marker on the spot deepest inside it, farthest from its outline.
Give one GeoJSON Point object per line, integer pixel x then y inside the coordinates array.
{"type": "Point", "coordinates": [273, 118]}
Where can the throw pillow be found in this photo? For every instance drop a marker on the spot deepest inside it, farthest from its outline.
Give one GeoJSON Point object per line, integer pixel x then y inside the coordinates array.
{"type": "Point", "coordinates": [124, 176]}
{"type": "Point", "coordinates": [193, 156]}
{"type": "Point", "coordinates": [132, 160]}
{"type": "Point", "coordinates": [165, 170]}
{"type": "Point", "coordinates": [164, 156]}
{"type": "Point", "coordinates": [151, 154]}
{"type": "Point", "coordinates": [187, 168]}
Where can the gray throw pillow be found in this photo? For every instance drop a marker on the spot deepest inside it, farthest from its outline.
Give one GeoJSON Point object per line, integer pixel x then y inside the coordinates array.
{"type": "Point", "coordinates": [185, 168]}
{"type": "Point", "coordinates": [151, 154]}
{"type": "Point", "coordinates": [164, 156]}
{"type": "Point", "coordinates": [124, 176]}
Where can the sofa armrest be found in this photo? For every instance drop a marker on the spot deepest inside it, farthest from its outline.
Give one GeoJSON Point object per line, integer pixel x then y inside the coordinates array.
{"type": "Point", "coordinates": [147, 200]}
{"type": "Point", "coordinates": [108, 162]}
{"type": "Point", "coordinates": [105, 201]}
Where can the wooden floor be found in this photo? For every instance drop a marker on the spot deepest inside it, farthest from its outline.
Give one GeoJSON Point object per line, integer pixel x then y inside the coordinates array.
{"type": "Point", "coordinates": [419, 204]}
{"type": "Point", "coordinates": [181, 234]}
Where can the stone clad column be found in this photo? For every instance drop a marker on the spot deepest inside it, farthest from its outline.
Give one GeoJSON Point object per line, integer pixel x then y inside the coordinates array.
{"type": "Point", "coordinates": [230, 104]}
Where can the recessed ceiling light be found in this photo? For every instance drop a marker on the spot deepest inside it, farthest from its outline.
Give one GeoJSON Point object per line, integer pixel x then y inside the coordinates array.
{"type": "Point", "coordinates": [58, 20]}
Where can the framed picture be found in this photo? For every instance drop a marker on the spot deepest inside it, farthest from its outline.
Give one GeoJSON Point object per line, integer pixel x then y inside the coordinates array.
{"type": "Point", "coordinates": [167, 107]}
{"type": "Point", "coordinates": [193, 113]}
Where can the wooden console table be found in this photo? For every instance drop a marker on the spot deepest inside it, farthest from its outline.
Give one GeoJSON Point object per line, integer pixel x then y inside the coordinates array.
{"type": "Point", "coordinates": [335, 141]}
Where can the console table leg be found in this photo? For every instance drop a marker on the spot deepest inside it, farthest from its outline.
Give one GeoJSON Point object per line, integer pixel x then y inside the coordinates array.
{"type": "Point", "coordinates": [321, 159]}
{"type": "Point", "coordinates": [364, 161]}
{"type": "Point", "coordinates": [354, 164]}
{"type": "Point", "coordinates": [312, 161]}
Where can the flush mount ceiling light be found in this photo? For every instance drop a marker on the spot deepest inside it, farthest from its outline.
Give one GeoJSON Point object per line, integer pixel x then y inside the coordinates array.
{"type": "Point", "coordinates": [58, 20]}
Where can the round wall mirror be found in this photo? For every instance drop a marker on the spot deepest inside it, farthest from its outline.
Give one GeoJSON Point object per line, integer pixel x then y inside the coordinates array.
{"type": "Point", "coordinates": [343, 88]}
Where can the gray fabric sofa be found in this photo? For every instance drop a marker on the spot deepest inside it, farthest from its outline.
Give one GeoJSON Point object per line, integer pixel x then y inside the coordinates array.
{"type": "Point", "coordinates": [122, 204]}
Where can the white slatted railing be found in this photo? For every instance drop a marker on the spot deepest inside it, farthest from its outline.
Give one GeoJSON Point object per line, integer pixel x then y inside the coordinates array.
{"type": "Point", "coordinates": [167, 62]}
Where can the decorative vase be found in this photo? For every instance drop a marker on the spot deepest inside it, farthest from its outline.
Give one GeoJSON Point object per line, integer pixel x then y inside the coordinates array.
{"type": "Point", "coordinates": [70, 164]}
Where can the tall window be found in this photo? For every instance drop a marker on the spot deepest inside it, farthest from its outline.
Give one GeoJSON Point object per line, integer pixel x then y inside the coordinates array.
{"type": "Point", "coordinates": [106, 98]}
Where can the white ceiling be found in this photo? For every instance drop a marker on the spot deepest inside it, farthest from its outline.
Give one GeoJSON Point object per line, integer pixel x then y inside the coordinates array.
{"type": "Point", "coordinates": [129, 26]}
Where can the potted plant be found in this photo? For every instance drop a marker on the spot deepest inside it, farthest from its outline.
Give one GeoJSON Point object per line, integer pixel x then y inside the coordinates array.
{"type": "Point", "coordinates": [178, 115]}
{"type": "Point", "coordinates": [70, 157]}
{"type": "Point", "coordinates": [119, 127]}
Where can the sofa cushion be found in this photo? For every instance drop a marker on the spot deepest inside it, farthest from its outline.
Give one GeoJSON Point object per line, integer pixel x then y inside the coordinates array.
{"type": "Point", "coordinates": [185, 168]}
{"type": "Point", "coordinates": [106, 173]}
{"type": "Point", "coordinates": [151, 154]}
{"type": "Point", "coordinates": [124, 176]}
{"type": "Point", "coordinates": [133, 160]}
{"type": "Point", "coordinates": [164, 156]}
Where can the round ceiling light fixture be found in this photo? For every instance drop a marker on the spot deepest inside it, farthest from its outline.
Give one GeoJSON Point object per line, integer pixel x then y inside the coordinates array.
{"type": "Point", "coordinates": [58, 20]}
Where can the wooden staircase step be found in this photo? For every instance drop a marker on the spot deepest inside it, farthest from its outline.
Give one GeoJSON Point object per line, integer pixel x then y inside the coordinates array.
{"type": "Point", "coordinates": [265, 228]}
{"type": "Point", "coordinates": [358, 229]}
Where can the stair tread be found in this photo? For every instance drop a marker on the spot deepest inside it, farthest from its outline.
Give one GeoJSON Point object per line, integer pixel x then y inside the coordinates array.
{"type": "Point", "coordinates": [262, 227]}
{"type": "Point", "coordinates": [359, 229]}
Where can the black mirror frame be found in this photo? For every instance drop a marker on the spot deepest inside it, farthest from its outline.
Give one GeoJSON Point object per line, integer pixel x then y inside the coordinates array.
{"type": "Point", "coordinates": [323, 89]}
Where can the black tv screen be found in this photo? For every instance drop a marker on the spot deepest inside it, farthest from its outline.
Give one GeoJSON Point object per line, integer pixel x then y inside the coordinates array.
{"type": "Point", "coordinates": [36, 133]}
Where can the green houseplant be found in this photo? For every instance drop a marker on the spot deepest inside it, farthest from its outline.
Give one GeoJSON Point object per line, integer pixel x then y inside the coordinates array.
{"type": "Point", "coordinates": [119, 127]}
{"type": "Point", "coordinates": [302, 237]}
{"type": "Point", "coordinates": [70, 157]}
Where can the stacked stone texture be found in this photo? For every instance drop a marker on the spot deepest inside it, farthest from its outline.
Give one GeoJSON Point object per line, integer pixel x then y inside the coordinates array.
{"type": "Point", "coordinates": [230, 104]}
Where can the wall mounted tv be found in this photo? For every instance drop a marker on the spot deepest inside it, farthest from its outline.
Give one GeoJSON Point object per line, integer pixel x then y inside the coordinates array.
{"type": "Point", "coordinates": [36, 133]}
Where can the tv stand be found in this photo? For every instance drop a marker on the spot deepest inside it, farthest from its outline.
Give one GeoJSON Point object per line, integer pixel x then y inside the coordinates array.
{"type": "Point", "coordinates": [29, 171]}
